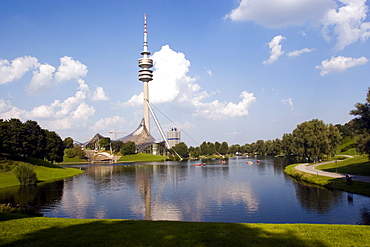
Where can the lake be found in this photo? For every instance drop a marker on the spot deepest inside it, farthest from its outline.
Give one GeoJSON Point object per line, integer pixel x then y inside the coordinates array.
{"type": "Point", "coordinates": [182, 191]}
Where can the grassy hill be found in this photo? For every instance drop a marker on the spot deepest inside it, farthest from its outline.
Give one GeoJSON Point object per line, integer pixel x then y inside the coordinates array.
{"type": "Point", "coordinates": [45, 171]}
{"type": "Point", "coordinates": [348, 146]}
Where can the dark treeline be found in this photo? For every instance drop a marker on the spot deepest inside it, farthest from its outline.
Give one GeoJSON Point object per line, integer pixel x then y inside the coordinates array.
{"type": "Point", "coordinates": [28, 139]}
{"type": "Point", "coordinates": [310, 140]}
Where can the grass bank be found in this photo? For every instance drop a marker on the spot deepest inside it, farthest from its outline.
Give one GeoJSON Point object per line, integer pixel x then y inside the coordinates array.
{"type": "Point", "coordinates": [355, 166]}
{"type": "Point", "coordinates": [45, 172]}
{"type": "Point", "coordinates": [141, 157]}
{"type": "Point", "coordinates": [358, 165]}
{"type": "Point", "coordinates": [39, 231]}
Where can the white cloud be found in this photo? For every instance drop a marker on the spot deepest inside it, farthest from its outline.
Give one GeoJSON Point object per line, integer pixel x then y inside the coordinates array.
{"type": "Point", "coordinates": [209, 72]}
{"type": "Point", "coordinates": [70, 69]}
{"type": "Point", "coordinates": [10, 71]}
{"type": "Point", "coordinates": [288, 101]}
{"type": "Point", "coordinates": [347, 23]}
{"type": "Point", "coordinates": [7, 111]}
{"type": "Point", "coordinates": [47, 76]}
{"type": "Point", "coordinates": [279, 13]}
{"type": "Point", "coordinates": [222, 110]}
{"type": "Point", "coordinates": [83, 111]}
{"type": "Point", "coordinates": [299, 52]}
{"type": "Point", "coordinates": [4, 106]}
{"type": "Point", "coordinates": [275, 49]}
{"type": "Point", "coordinates": [42, 111]}
{"type": "Point", "coordinates": [234, 133]}
{"type": "Point", "coordinates": [99, 94]}
{"type": "Point", "coordinates": [172, 84]}
{"type": "Point", "coordinates": [75, 118]}
{"type": "Point", "coordinates": [170, 74]}
{"type": "Point", "coordinates": [339, 64]}
{"type": "Point", "coordinates": [41, 79]}
{"type": "Point", "coordinates": [105, 125]}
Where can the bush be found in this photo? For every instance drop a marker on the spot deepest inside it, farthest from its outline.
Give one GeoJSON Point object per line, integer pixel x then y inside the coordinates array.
{"type": "Point", "coordinates": [128, 148]}
{"type": "Point", "coordinates": [25, 174]}
{"type": "Point", "coordinates": [75, 152]}
{"type": "Point", "coordinates": [7, 165]}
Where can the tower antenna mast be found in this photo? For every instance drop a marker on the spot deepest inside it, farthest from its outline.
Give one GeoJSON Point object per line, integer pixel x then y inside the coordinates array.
{"type": "Point", "coordinates": [146, 75]}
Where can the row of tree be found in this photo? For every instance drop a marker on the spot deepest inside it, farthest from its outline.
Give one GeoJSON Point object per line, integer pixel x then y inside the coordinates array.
{"type": "Point", "coordinates": [309, 140]}
{"type": "Point", "coordinates": [28, 139]}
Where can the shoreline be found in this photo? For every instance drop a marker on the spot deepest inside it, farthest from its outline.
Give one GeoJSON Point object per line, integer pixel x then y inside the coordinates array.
{"type": "Point", "coordinates": [308, 173]}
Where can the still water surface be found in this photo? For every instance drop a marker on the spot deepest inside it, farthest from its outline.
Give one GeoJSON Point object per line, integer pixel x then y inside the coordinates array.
{"type": "Point", "coordinates": [236, 192]}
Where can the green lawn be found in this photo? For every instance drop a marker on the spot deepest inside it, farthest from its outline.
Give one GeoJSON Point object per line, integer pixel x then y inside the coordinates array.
{"type": "Point", "coordinates": [358, 165]}
{"type": "Point", "coordinates": [45, 171]}
{"type": "Point", "coordinates": [44, 174]}
{"type": "Point", "coordinates": [141, 157]}
{"type": "Point", "coordinates": [39, 231]}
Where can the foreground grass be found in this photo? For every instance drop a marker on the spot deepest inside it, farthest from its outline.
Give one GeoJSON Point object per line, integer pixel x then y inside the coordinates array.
{"type": "Point", "coordinates": [40, 231]}
{"type": "Point", "coordinates": [353, 166]}
{"type": "Point", "coordinates": [141, 157]}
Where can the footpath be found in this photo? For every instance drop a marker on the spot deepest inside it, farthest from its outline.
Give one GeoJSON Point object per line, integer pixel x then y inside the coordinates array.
{"type": "Point", "coordinates": [308, 168]}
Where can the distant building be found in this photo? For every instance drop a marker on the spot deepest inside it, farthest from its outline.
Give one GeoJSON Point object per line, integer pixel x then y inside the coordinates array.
{"type": "Point", "coordinates": [173, 136]}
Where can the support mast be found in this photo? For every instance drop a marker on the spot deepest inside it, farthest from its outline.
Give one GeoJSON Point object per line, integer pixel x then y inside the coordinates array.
{"type": "Point", "coordinates": [146, 75]}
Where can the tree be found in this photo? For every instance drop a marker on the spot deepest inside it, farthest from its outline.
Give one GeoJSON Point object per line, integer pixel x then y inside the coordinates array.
{"type": "Point", "coordinates": [54, 147]}
{"type": "Point", "coordinates": [247, 148]}
{"type": "Point", "coordinates": [345, 131]}
{"type": "Point", "coordinates": [334, 139]}
{"type": "Point", "coordinates": [224, 148]}
{"type": "Point", "coordinates": [117, 146]}
{"type": "Point", "coordinates": [261, 148]}
{"type": "Point", "coordinates": [234, 148]}
{"type": "Point", "coordinates": [194, 152]}
{"type": "Point", "coordinates": [204, 148]}
{"type": "Point", "coordinates": [269, 147]}
{"type": "Point", "coordinates": [14, 137]}
{"type": "Point", "coordinates": [287, 144]}
{"type": "Point", "coordinates": [182, 149]}
{"type": "Point", "coordinates": [34, 140]}
{"type": "Point", "coordinates": [211, 148]}
{"type": "Point", "coordinates": [3, 135]}
{"type": "Point", "coordinates": [75, 152]}
{"type": "Point", "coordinates": [253, 148]}
{"type": "Point", "coordinates": [68, 142]}
{"type": "Point", "coordinates": [217, 145]}
{"type": "Point", "coordinates": [104, 143]}
{"type": "Point", "coordinates": [362, 113]}
{"type": "Point", "coordinates": [311, 139]}
{"type": "Point", "coordinates": [277, 146]}
{"type": "Point", "coordinates": [128, 148]}
{"type": "Point", "coordinates": [362, 124]}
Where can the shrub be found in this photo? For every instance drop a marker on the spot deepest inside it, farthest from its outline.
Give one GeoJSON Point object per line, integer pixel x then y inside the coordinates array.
{"type": "Point", "coordinates": [7, 165]}
{"type": "Point", "coordinates": [75, 152]}
{"type": "Point", "coordinates": [25, 174]}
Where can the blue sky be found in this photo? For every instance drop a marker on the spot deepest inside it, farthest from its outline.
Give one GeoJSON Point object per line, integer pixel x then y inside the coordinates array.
{"type": "Point", "coordinates": [235, 71]}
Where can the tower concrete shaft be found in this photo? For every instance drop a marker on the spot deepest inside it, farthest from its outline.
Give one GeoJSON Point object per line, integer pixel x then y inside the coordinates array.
{"type": "Point", "coordinates": [146, 75]}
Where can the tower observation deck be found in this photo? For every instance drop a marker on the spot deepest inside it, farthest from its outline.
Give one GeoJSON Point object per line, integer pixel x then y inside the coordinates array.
{"type": "Point", "coordinates": [146, 75]}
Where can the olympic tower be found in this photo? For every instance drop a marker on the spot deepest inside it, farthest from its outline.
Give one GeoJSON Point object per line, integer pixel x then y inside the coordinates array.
{"type": "Point", "coordinates": [146, 75]}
